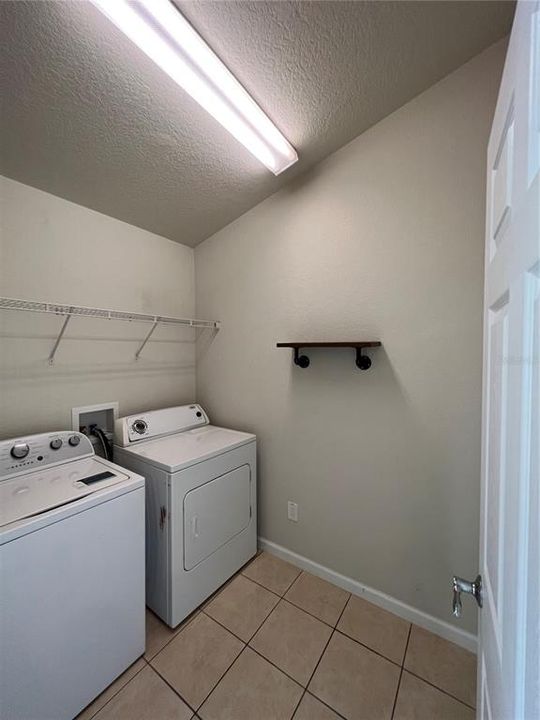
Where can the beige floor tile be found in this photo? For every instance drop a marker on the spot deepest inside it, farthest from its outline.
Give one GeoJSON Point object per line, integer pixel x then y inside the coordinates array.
{"type": "Point", "coordinates": [108, 693]}
{"type": "Point", "coordinates": [158, 634]}
{"type": "Point", "coordinates": [275, 574]}
{"type": "Point", "coordinates": [419, 701]}
{"type": "Point", "coordinates": [318, 597]}
{"type": "Point", "coordinates": [242, 607]}
{"type": "Point", "coordinates": [252, 690]}
{"type": "Point", "coordinates": [378, 629]}
{"type": "Point", "coordinates": [312, 709]}
{"type": "Point", "coordinates": [197, 658]}
{"type": "Point", "coordinates": [358, 683]}
{"type": "Point", "coordinates": [146, 697]}
{"type": "Point", "coordinates": [292, 640]}
{"type": "Point", "coordinates": [448, 666]}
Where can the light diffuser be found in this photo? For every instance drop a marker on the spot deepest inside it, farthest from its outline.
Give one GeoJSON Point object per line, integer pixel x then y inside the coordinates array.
{"type": "Point", "coordinates": [161, 31]}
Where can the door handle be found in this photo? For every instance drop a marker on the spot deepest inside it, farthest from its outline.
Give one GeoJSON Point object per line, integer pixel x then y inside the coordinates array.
{"type": "Point", "coordinates": [473, 588]}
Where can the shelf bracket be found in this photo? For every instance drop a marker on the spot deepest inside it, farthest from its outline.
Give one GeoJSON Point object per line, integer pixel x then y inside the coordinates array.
{"type": "Point", "coordinates": [363, 362]}
{"type": "Point", "coordinates": [147, 338]}
{"type": "Point", "coordinates": [60, 335]}
{"type": "Point", "coordinates": [300, 360]}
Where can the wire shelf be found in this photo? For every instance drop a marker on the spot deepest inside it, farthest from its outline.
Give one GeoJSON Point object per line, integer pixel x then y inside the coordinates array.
{"type": "Point", "coordinates": [69, 311]}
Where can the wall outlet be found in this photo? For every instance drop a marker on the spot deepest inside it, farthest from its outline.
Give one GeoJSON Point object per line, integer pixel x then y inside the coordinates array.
{"type": "Point", "coordinates": [292, 511]}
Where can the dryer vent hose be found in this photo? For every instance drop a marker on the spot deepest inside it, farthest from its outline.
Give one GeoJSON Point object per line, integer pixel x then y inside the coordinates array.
{"type": "Point", "coordinates": [105, 444]}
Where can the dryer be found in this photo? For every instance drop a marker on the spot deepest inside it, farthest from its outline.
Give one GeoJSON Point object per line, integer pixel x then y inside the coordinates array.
{"type": "Point", "coordinates": [201, 503]}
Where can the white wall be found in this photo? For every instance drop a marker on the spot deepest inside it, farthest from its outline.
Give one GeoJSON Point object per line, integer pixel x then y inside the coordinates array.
{"type": "Point", "coordinates": [57, 251]}
{"type": "Point", "coordinates": [384, 240]}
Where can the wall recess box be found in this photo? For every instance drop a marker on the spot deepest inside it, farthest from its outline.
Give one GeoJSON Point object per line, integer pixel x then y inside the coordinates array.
{"type": "Point", "coordinates": [102, 415]}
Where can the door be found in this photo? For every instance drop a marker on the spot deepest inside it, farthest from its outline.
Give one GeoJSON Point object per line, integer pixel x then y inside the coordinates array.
{"type": "Point", "coordinates": [509, 640]}
{"type": "Point", "coordinates": [214, 513]}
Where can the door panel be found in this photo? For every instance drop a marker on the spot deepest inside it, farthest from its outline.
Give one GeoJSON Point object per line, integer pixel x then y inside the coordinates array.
{"type": "Point", "coordinates": [495, 451]}
{"type": "Point", "coordinates": [501, 182]}
{"type": "Point", "coordinates": [508, 657]}
{"type": "Point", "coordinates": [214, 513]}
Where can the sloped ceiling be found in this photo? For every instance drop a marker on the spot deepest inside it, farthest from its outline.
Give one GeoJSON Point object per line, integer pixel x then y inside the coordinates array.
{"type": "Point", "coordinates": [88, 117]}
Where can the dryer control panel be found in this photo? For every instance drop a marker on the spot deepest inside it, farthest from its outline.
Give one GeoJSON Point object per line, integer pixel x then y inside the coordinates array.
{"type": "Point", "coordinates": [156, 423]}
{"type": "Point", "coordinates": [34, 452]}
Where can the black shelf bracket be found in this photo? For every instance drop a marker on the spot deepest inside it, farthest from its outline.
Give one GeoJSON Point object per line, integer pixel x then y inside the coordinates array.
{"type": "Point", "coordinates": [300, 360]}
{"type": "Point", "coordinates": [363, 362]}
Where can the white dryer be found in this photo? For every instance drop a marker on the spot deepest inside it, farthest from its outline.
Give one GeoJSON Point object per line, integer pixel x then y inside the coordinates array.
{"type": "Point", "coordinates": [71, 575]}
{"type": "Point", "coordinates": [201, 503]}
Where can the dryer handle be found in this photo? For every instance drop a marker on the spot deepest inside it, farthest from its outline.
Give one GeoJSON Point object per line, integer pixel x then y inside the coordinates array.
{"type": "Point", "coordinates": [195, 526]}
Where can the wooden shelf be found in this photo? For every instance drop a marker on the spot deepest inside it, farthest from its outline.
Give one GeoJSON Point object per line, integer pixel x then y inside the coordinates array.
{"type": "Point", "coordinates": [352, 344]}
{"type": "Point", "coordinates": [362, 361]}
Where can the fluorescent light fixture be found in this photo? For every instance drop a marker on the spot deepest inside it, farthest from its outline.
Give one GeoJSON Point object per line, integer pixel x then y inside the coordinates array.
{"type": "Point", "coordinates": [159, 29]}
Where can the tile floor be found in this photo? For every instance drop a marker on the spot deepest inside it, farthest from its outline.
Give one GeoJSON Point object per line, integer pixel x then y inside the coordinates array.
{"type": "Point", "coordinates": [276, 643]}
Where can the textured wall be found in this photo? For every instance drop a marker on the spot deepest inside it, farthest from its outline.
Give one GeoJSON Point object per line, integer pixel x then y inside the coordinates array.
{"type": "Point", "coordinates": [382, 240]}
{"type": "Point", "coordinates": [56, 251]}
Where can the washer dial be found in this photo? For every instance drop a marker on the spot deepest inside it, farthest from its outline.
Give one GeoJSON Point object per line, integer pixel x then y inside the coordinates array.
{"type": "Point", "coordinates": [20, 451]}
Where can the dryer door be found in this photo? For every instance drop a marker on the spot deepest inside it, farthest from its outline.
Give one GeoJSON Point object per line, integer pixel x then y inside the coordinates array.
{"type": "Point", "coordinates": [214, 513]}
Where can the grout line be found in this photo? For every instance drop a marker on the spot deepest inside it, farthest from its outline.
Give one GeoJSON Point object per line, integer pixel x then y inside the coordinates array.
{"type": "Point", "coordinates": [406, 646]}
{"type": "Point", "coordinates": [224, 627]}
{"type": "Point", "coordinates": [325, 704]}
{"type": "Point", "coordinates": [119, 689]}
{"type": "Point", "coordinates": [220, 679]}
{"type": "Point", "coordinates": [321, 657]}
{"type": "Point", "coordinates": [296, 579]}
{"type": "Point", "coordinates": [198, 707]}
{"type": "Point", "coordinates": [281, 670]}
{"type": "Point", "coordinates": [292, 583]}
{"type": "Point", "coordinates": [445, 692]}
{"type": "Point", "coordinates": [246, 642]}
{"type": "Point", "coordinates": [289, 586]}
{"type": "Point", "coordinates": [298, 703]}
{"type": "Point", "coordinates": [401, 673]}
{"type": "Point", "coordinates": [175, 631]}
{"type": "Point", "coordinates": [175, 691]}
{"type": "Point", "coordinates": [367, 647]}
{"type": "Point", "coordinates": [261, 586]}
{"type": "Point", "coordinates": [282, 597]}
{"type": "Point", "coordinates": [315, 616]}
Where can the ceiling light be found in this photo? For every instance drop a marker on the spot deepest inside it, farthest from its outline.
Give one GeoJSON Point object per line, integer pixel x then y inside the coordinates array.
{"type": "Point", "coordinates": [160, 31]}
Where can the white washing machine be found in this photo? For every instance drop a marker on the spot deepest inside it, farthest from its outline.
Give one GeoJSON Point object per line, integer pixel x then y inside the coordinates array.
{"type": "Point", "coordinates": [71, 575]}
{"type": "Point", "coordinates": [201, 503]}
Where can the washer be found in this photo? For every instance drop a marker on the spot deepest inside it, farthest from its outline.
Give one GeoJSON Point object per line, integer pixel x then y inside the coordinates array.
{"type": "Point", "coordinates": [201, 503]}
{"type": "Point", "coordinates": [72, 613]}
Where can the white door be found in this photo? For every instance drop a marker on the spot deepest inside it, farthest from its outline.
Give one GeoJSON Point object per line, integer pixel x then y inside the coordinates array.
{"type": "Point", "coordinates": [509, 642]}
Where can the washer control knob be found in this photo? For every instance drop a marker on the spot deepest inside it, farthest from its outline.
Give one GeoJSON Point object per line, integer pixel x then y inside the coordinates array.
{"type": "Point", "coordinates": [20, 451]}
{"type": "Point", "coordinates": [140, 427]}
{"type": "Point", "coordinates": [74, 440]}
{"type": "Point", "coordinates": [56, 444]}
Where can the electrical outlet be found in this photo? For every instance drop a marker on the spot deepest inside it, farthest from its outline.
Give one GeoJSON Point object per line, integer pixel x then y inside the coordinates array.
{"type": "Point", "coordinates": [292, 511]}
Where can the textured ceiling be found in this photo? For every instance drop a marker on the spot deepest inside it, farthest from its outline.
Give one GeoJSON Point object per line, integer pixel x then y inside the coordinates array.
{"type": "Point", "coordinates": [88, 117]}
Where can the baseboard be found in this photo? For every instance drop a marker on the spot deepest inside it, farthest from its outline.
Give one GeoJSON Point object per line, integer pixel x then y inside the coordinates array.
{"type": "Point", "coordinates": [407, 612]}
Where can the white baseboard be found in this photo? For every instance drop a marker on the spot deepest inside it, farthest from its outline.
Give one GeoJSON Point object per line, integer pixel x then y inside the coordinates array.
{"type": "Point", "coordinates": [407, 612]}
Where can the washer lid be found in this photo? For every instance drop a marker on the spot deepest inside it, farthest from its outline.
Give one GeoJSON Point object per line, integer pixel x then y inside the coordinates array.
{"type": "Point", "coordinates": [29, 495]}
{"type": "Point", "coordinates": [176, 452]}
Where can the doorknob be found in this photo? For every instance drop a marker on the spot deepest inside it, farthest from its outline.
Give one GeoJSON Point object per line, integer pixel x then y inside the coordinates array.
{"type": "Point", "coordinates": [460, 585]}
